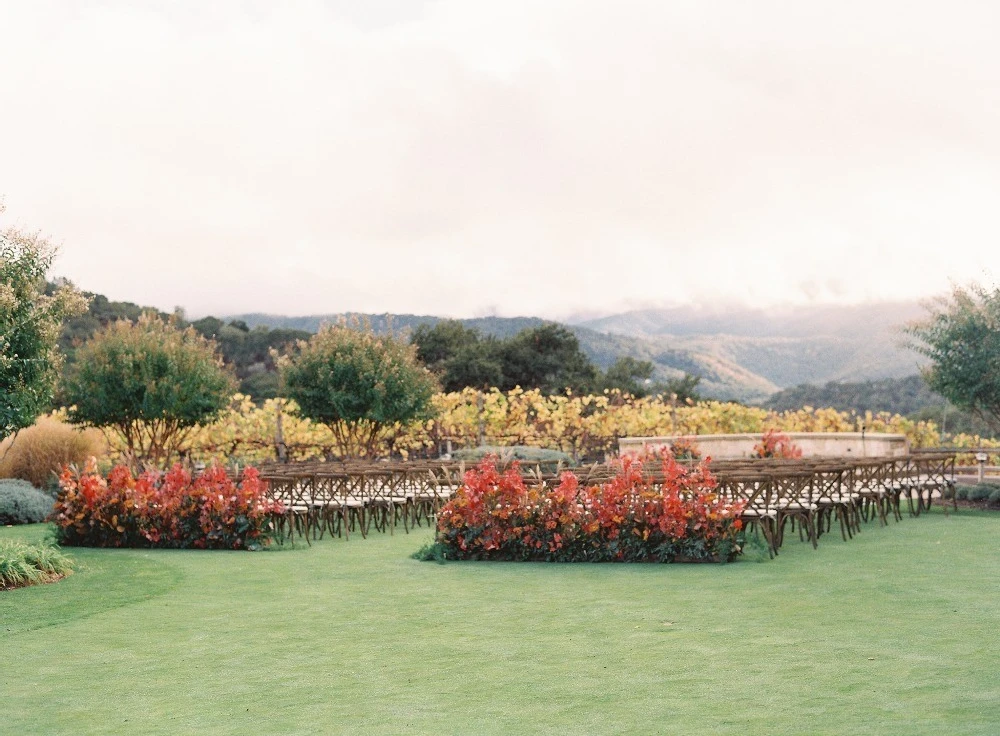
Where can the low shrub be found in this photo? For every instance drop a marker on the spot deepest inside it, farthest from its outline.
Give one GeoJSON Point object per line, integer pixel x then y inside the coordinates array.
{"type": "Point", "coordinates": [22, 503]}
{"type": "Point", "coordinates": [979, 493]}
{"type": "Point", "coordinates": [37, 454]}
{"type": "Point", "coordinates": [170, 510]}
{"type": "Point", "coordinates": [496, 516]}
{"type": "Point", "coordinates": [28, 564]}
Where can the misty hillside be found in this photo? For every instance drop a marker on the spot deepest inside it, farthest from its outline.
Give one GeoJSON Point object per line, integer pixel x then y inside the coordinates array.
{"type": "Point", "coordinates": [398, 323]}
{"type": "Point", "coordinates": [740, 354]}
{"type": "Point", "coordinates": [851, 321]}
{"type": "Point", "coordinates": [785, 347]}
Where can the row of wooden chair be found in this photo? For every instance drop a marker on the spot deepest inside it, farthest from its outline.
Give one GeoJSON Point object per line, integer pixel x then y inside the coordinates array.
{"type": "Point", "coordinates": [341, 498]}
{"type": "Point", "coordinates": [809, 494]}
{"type": "Point", "coordinates": [812, 493]}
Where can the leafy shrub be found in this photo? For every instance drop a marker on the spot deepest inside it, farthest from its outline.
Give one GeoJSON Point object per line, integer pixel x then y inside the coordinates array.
{"type": "Point", "coordinates": [980, 492]}
{"type": "Point", "coordinates": [29, 327]}
{"type": "Point", "coordinates": [22, 503]}
{"type": "Point", "coordinates": [37, 454]}
{"type": "Point", "coordinates": [989, 492]}
{"type": "Point", "coordinates": [358, 384]}
{"type": "Point", "coordinates": [778, 445]}
{"type": "Point", "coordinates": [495, 516]}
{"type": "Point", "coordinates": [28, 564]}
{"type": "Point", "coordinates": [549, 459]}
{"type": "Point", "coordinates": [158, 509]}
{"type": "Point", "coordinates": [151, 382]}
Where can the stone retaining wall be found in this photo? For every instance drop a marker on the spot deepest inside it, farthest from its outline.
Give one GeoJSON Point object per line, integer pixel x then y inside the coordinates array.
{"type": "Point", "coordinates": [813, 444]}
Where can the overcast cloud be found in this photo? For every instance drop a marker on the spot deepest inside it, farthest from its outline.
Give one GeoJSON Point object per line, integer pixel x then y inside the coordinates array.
{"type": "Point", "coordinates": [464, 157]}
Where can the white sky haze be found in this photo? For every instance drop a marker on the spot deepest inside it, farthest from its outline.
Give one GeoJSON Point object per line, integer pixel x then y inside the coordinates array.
{"type": "Point", "coordinates": [466, 157]}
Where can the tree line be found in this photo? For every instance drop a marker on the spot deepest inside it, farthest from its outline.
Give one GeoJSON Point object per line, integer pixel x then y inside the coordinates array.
{"type": "Point", "coordinates": [547, 357]}
{"type": "Point", "coordinates": [910, 396]}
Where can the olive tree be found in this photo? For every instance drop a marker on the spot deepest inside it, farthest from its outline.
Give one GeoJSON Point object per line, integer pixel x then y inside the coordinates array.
{"type": "Point", "coordinates": [358, 384]}
{"type": "Point", "coordinates": [29, 328]}
{"type": "Point", "coordinates": [961, 338]}
{"type": "Point", "coordinates": [149, 381]}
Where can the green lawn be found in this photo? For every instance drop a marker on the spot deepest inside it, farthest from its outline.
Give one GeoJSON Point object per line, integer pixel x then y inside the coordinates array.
{"type": "Point", "coordinates": [892, 633]}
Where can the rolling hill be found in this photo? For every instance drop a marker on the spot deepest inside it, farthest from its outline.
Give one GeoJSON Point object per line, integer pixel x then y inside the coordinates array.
{"type": "Point", "coordinates": [740, 354]}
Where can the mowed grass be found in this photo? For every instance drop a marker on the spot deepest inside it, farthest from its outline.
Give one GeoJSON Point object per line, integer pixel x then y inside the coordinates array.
{"type": "Point", "coordinates": [894, 632]}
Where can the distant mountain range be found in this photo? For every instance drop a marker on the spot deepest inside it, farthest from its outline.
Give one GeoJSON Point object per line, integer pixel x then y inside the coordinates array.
{"type": "Point", "coordinates": [740, 354]}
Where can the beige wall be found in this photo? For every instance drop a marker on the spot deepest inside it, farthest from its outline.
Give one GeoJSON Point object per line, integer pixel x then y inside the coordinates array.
{"type": "Point", "coordinates": [813, 444]}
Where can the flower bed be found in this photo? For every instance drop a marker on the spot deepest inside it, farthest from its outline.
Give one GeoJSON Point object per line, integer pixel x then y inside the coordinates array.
{"type": "Point", "coordinates": [497, 516]}
{"type": "Point", "coordinates": [168, 510]}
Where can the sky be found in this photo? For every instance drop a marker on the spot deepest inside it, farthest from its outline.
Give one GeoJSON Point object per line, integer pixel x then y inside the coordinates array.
{"type": "Point", "coordinates": [526, 157]}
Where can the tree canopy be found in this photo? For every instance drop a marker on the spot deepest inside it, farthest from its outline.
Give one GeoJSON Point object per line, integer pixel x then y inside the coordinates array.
{"type": "Point", "coordinates": [151, 381]}
{"type": "Point", "coordinates": [458, 355]}
{"type": "Point", "coordinates": [547, 357]}
{"type": "Point", "coordinates": [30, 320]}
{"type": "Point", "coordinates": [630, 375]}
{"type": "Point", "coordinates": [358, 384]}
{"type": "Point", "coordinates": [250, 352]}
{"type": "Point", "coordinates": [961, 337]}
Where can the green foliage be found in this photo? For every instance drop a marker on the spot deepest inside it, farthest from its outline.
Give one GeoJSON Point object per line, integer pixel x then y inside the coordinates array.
{"type": "Point", "coordinates": [546, 356]}
{"type": "Point", "coordinates": [100, 313]}
{"type": "Point", "coordinates": [909, 396]}
{"type": "Point", "coordinates": [951, 420]}
{"type": "Point", "coordinates": [961, 337]}
{"type": "Point", "coordinates": [358, 384]}
{"type": "Point", "coordinates": [630, 376]}
{"type": "Point", "coordinates": [151, 381]}
{"type": "Point", "coordinates": [22, 503]}
{"type": "Point", "coordinates": [459, 356]}
{"type": "Point", "coordinates": [251, 353]}
{"type": "Point", "coordinates": [261, 385]}
{"type": "Point", "coordinates": [753, 546]}
{"type": "Point", "coordinates": [549, 358]}
{"type": "Point", "coordinates": [896, 395]}
{"type": "Point", "coordinates": [437, 343]}
{"type": "Point", "coordinates": [739, 354]}
{"type": "Point", "coordinates": [29, 328]}
{"type": "Point", "coordinates": [978, 493]}
{"type": "Point", "coordinates": [248, 352]}
{"type": "Point", "coordinates": [24, 564]}
{"type": "Point", "coordinates": [432, 552]}
{"type": "Point", "coordinates": [684, 388]}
